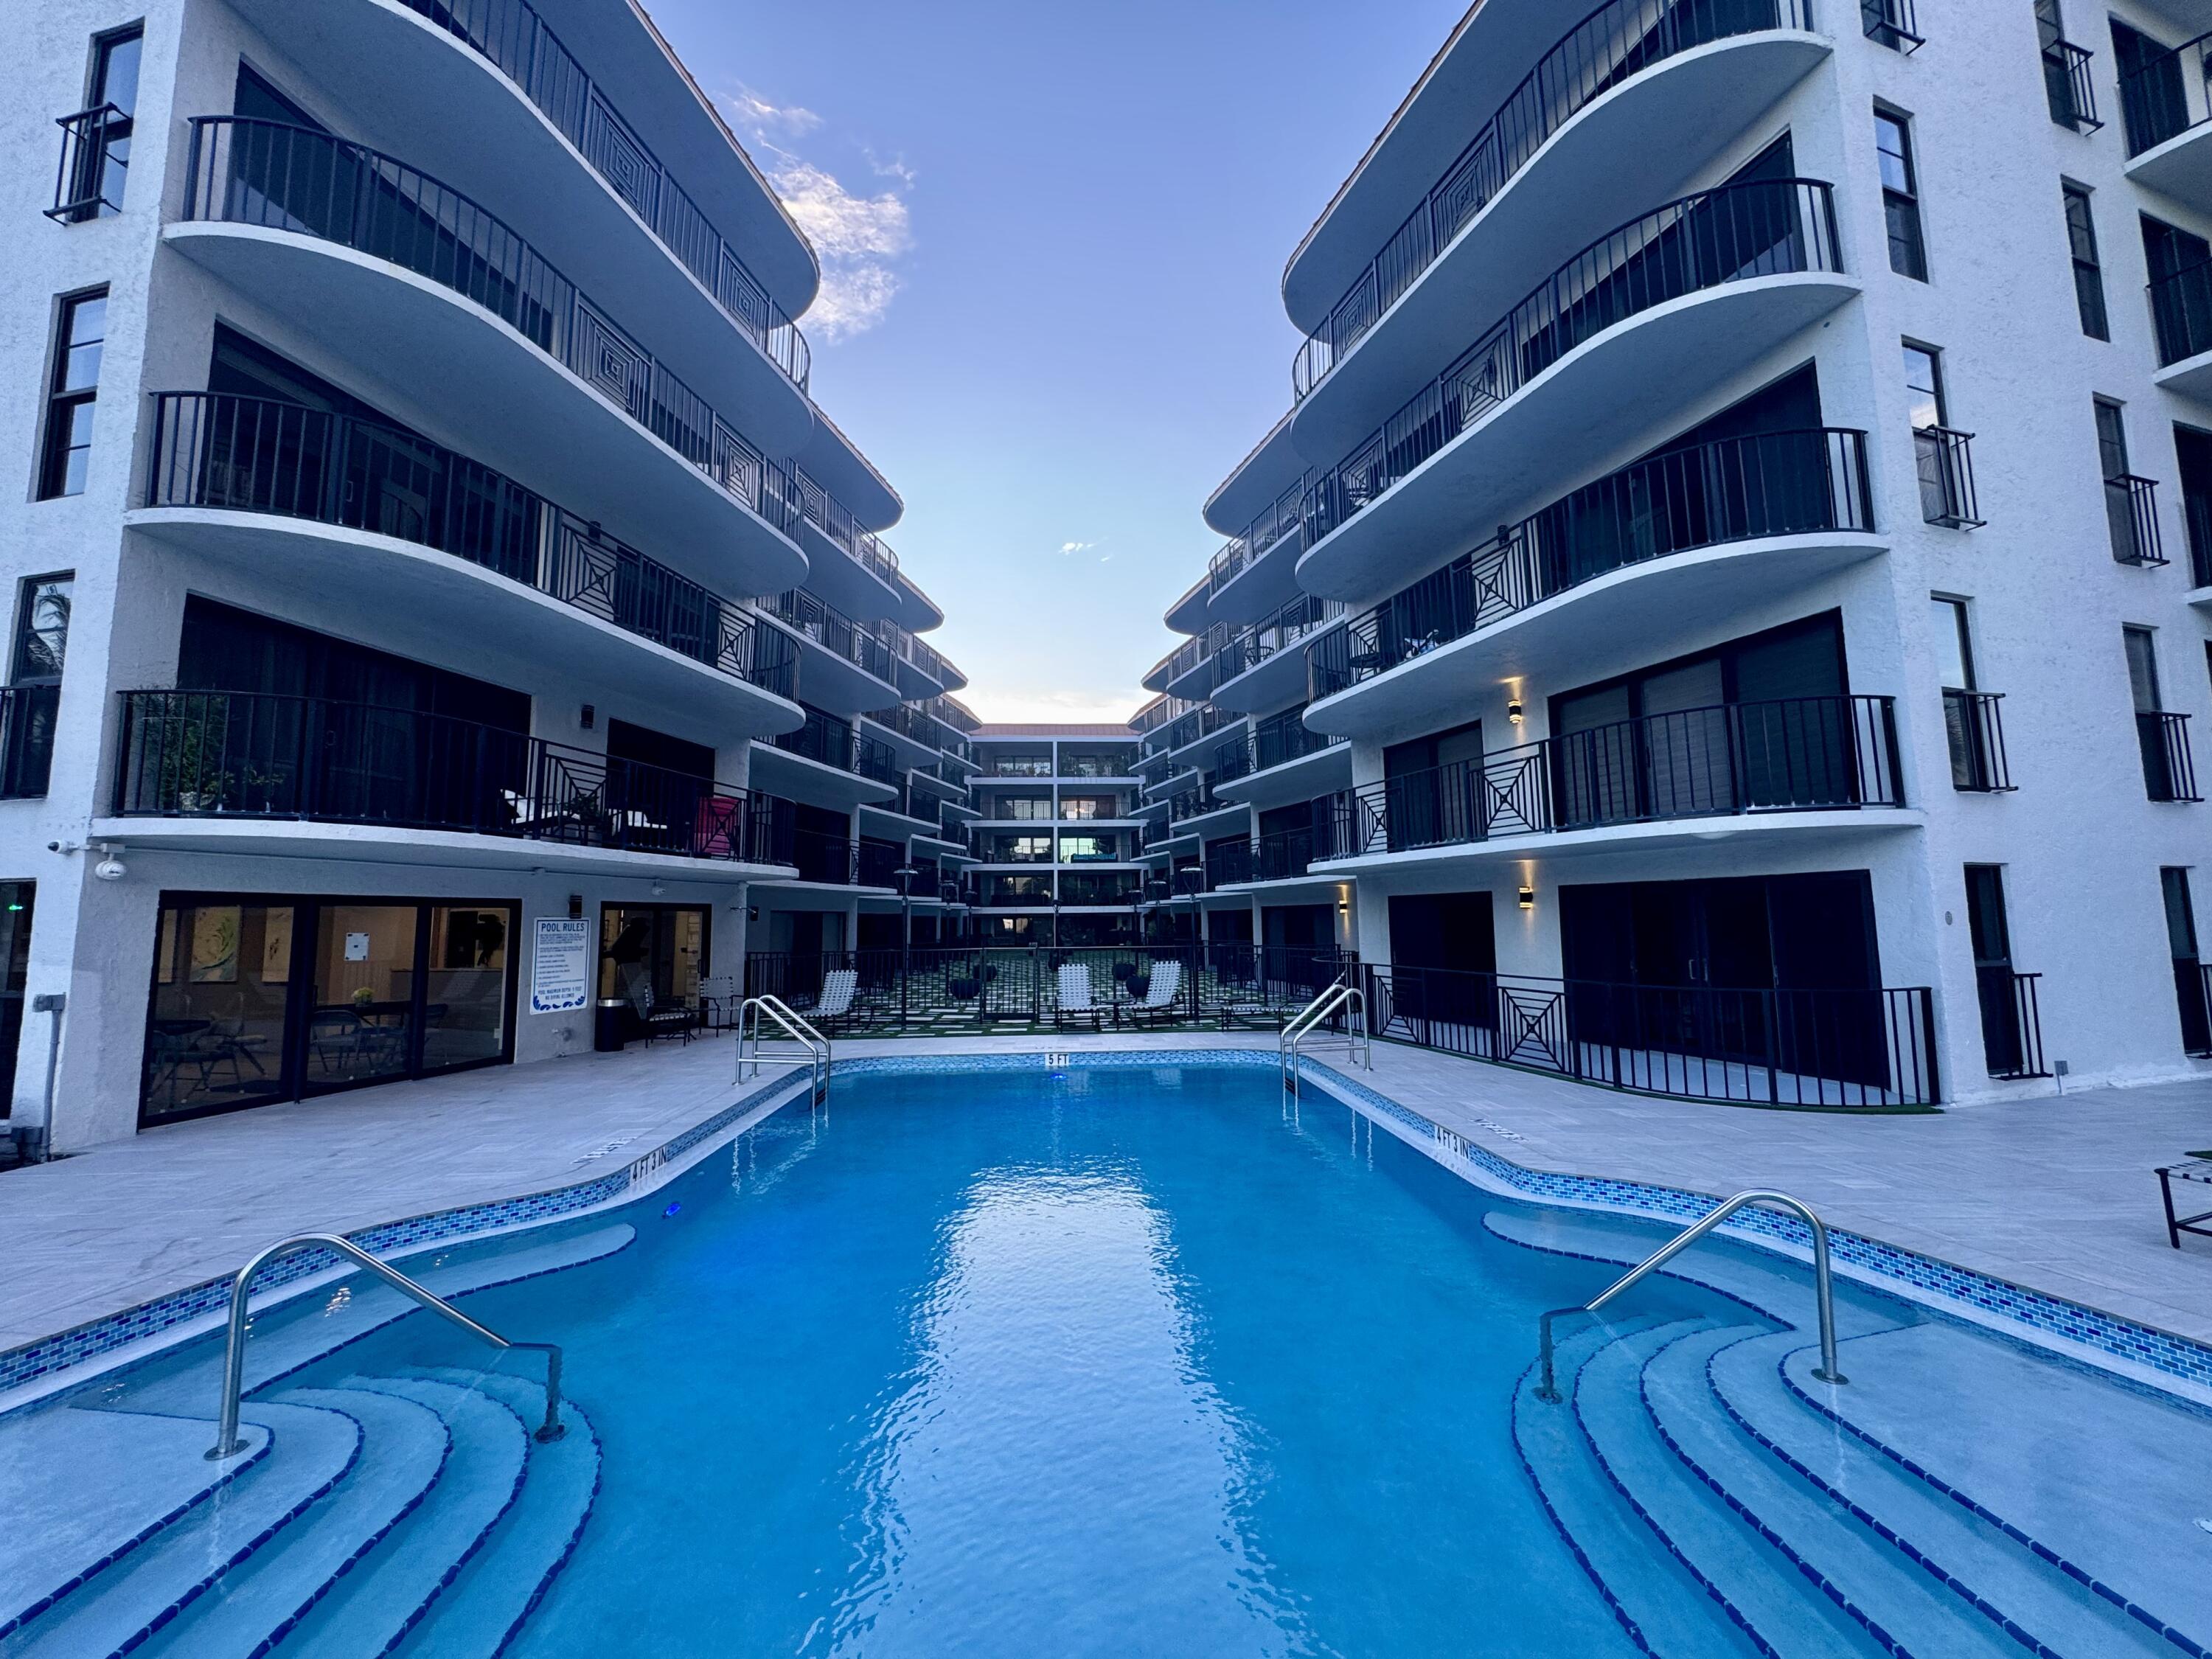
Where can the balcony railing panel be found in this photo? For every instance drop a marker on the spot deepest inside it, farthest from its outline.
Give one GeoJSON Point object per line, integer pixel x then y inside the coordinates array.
{"type": "Point", "coordinates": [1798, 754]}
{"type": "Point", "coordinates": [2181, 313]}
{"type": "Point", "coordinates": [95, 161]}
{"type": "Point", "coordinates": [1945, 462]}
{"type": "Point", "coordinates": [1891, 23]}
{"type": "Point", "coordinates": [1766, 484]}
{"type": "Point", "coordinates": [1974, 729]}
{"type": "Point", "coordinates": [514, 38]}
{"type": "Point", "coordinates": [279, 177]}
{"type": "Point", "coordinates": [262, 455]}
{"type": "Point", "coordinates": [821, 738]}
{"type": "Point", "coordinates": [241, 755]}
{"type": "Point", "coordinates": [2165, 96]}
{"type": "Point", "coordinates": [2067, 86]}
{"type": "Point", "coordinates": [2011, 1021]}
{"type": "Point", "coordinates": [806, 613]}
{"type": "Point", "coordinates": [831, 860]}
{"type": "Point", "coordinates": [1283, 738]}
{"type": "Point", "coordinates": [2131, 515]}
{"type": "Point", "coordinates": [2169, 769]}
{"type": "Point", "coordinates": [1846, 1049]}
{"type": "Point", "coordinates": [1763, 228]}
{"type": "Point", "coordinates": [1613, 44]}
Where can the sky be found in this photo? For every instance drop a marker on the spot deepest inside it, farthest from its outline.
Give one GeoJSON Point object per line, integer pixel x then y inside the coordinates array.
{"type": "Point", "coordinates": [1053, 237]}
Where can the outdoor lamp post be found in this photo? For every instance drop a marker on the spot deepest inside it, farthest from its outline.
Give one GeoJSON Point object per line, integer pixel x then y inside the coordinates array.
{"type": "Point", "coordinates": [906, 872]}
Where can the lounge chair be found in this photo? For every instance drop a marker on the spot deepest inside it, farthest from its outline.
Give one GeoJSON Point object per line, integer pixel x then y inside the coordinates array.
{"type": "Point", "coordinates": [661, 1019]}
{"type": "Point", "coordinates": [1158, 1005]}
{"type": "Point", "coordinates": [839, 986]}
{"type": "Point", "coordinates": [1074, 1001]}
{"type": "Point", "coordinates": [719, 998]}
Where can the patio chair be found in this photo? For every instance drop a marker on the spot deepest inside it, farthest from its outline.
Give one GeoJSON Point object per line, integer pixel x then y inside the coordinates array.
{"type": "Point", "coordinates": [1073, 1002]}
{"type": "Point", "coordinates": [834, 1004]}
{"type": "Point", "coordinates": [660, 1019]}
{"type": "Point", "coordinates": [720, 997]}
{"type": "Point", "coordinates": [1158, 1005]}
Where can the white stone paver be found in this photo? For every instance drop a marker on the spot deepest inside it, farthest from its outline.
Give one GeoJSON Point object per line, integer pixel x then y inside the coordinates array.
{"type": "Point", "coordinates": [2055, 1193]}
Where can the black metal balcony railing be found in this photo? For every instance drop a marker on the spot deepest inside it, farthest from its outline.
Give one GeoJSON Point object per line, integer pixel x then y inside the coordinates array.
{"type": "Point", "coordinates": [1282, 856]}
{"type": "Point", "coordinates": [1229, 865]}
{"type": "Point", "coordinates": [1283, 738]}
{"type": "Point", "coordinates": [830, 860]}
{"type": "Point", "coordinates": [1946, 463]}
{"type": "Point", "coordinates": [262, 455]}
{"type": "Point", "coordinates": [26, 740]}
{"type": "Point", "coordinates": [831, 628]}
{"type": "Point", "coordinates": [1231, 762]}
{"type": "Point", "coordinates": [1118, 890]}
{"type": "Point", "coordinates": [2192, 987]}
{"type": "Point", "coordinates": [1974, 730]}
{"type": "Point", "coordinates": [1871, 1048]}
{"type": "Point", "coordinates": [908, 722]}
{"type": "Point", "coordinates": [871, 759]}
{"type": "Point", "coordinates": [1018, 892]}
{"type": "Point", "coordinates": [2196, 516]}
{"type": "Point", "coordinates": [875, 864]}
{"type": "Point", "coordinates": [2131, 513]}
{"type": "Point", "coordinates": [2066, 83]}
{"type": "Point", "coordinates": [232, 754]}
{"type": "Point", "coordinates": [1765, 228]}
{"type": "Point", "coordinates": [1799, 754]}
{"type": "Point", "coordinates": [1283, 518]}
{"type": "Point", "coordinates": [821, 738]}
{"type": "Point", "coordinates": [2011, 1021]}
{"type": "Point", "coordinates": [95, 161]}
{"type": "Point", "coordinates": [278, 177]}
{"type": "Point", "coordinates": [2166, 95]}
{"type": "Point", "coordinates": [1237, 651]}
{"type": "Point", "coordinates": [1770, 484]}
{"type": "Point", "coordinates": [818, 508]}
{"type": "Point", "coordinates": [2169, 770]}
{"type": "Point", "coordinates": [2181, 313]}
{"type": "Point", "coordinates": [1615, 43]}
{"type": "Point", "coordinates": [1891, 23]}
{"type": "Point", "coordinates": [517, 41]}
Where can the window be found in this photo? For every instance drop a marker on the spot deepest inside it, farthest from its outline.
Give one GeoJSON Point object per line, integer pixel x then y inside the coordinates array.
{"type": "Point", "coordinates": [2169, 770]}
{"type": "Point", "coordinates": [2142, 669]}
{"type": "Point", "coordinates": [1890, 23]}
{"type": "Point", "coordinates": [2130, 503]}
{"type": "Point", "coordinates": [72, 386]}
{"type": "Point", "coordinates": [1955, 651]}
{"type": "Point", "coordinates": [2088, 274]}
{"type": "Point", "coordinates": [1970, 722]}
{"type": "Point", "coordinates": [2190, 987]}
{"type": "Point", "coordinates": [2066, 84]}
{"type": "Point", "coordinates": [98, 155]}
{"type": "Point", "coordinates": [2111, 440]}
{"type": "Point", "coordinates": [2011, 1038]}
{"type": "Point", "coordinates": [42, 619]}
{"type": "Point", "coordinates": [1900, 195]}
{"type": "Point", "coordinates": [1943, 457]}
{"type": "Point", "coordinates": [1923, 386]}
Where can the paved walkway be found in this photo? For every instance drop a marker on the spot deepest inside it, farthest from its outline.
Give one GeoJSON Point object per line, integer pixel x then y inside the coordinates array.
{"type": "Point", "coordinates": [2055, 1193]}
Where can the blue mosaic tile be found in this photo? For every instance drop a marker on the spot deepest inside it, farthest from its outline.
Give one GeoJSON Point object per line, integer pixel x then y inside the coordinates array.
{"type": "Point", "coordinates": [2122, 1338]}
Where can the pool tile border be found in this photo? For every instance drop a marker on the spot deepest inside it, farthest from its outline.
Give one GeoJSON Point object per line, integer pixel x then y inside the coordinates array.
{"type": "Point", "coordinates": [2123, 1340]}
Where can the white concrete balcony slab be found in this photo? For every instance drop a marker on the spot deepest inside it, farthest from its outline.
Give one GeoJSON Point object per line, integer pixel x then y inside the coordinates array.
{"type": "Point", "coordinates": [833, 681]}
{"type": "Point", "coordinates": [1580, 632]}
{"type": "Point", "coordinates": [450, 111]}
{"type": "Point", "coordinates": [1592, 403]}
{"type": "Point", "coordinates": [424, 604]}
{"type": "Point", "coordinates": [1761, 835]}
{"type": "Point", "coordinates": [909, 751]}
{"type": "Point", "coordinates": [526, 414]}
{"type": "Point", "coordinates": [2191, 377]}
{"type": "Point", "coordinates": [1626, 149]}
{"type": "Point", "coordinates": [2180, 166]}
{"type": "Point", "coordinates": [1322, 772]}
{"type": "Point", "coordinates": [1278, 678]}
{"type": "Point", "coordinates": [811, 782]}
{"type": "Point", "coordinates": [844, 581]}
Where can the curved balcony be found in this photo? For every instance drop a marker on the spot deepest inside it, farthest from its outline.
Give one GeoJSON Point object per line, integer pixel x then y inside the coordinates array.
{"type": "Point", "coordinates": [228, 767]}
{"type": "Point", "coordinates": [1255, 571]}
{"type": "Point", "coordinates": [537, 121]}
{"type": "Point", "coordinates": [1260, 667]}
{"type": "Point", "coordinates": [1701, 530]}
{"type": "Point", "coordinates": [825, 762]}
{"type": "Point", "coordinates": [846, 669]}
{"type": "Point", "coordinates": [1686, 297]}
{"type": "Point", "coordinates": [1748, 764]}
{"type": "Point", "coordinates": [2181, 319]}
{"type": "Point", "coordinates": [403, 524]}
{"type": "Point", "coordinates": [1638, 95]}
{"type": "Point", "coordinates": [437, 294]}
{"type": "Point", "coordinates": [2165, 109]}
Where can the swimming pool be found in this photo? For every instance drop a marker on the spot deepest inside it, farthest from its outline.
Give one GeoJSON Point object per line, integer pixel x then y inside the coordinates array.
{"type": "Point", "coordinates": [1132, 1359]}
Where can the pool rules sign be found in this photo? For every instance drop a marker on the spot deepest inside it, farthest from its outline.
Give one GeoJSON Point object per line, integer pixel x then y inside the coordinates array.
{"type": "Point", "coordinates": [561, 966]}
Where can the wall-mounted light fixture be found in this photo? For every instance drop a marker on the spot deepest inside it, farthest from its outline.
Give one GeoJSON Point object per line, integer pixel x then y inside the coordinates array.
{"type": "Point", "coordinates": [1514, 712]}
{"type": "Point", "coordinates": [1528, 897]}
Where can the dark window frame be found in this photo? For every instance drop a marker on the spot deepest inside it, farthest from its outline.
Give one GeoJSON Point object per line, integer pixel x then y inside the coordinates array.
{"type": "Point", "coordinates": [2088, 266]}
{"type": "Point", "coordinates": [62, 400]}
{"type": "Point", "coordinates": [1908, 235]}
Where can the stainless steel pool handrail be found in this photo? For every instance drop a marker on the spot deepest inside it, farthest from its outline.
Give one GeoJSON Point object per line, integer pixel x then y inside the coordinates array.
{"type": "Point", "coordinates": [1824, 1295]}
{"type": "Point", "coordinates": [1340, 998]}
{"type": "Point", "coordinates": [795, 1027]}
{"type": "Point", "coordinates": [227, 1445]}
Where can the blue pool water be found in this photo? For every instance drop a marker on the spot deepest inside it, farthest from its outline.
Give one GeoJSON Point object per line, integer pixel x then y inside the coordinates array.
{"type": "Point", "coordinates": [1122, 1360]}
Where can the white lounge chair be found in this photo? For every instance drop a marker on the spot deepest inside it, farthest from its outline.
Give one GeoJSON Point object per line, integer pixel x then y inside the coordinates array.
{"type": "Point", "coordinates": [839, 986]}
{"type": "Point", "coordinates": [720, 996]}
{"type": "Point", "coordinates": [1074, 1001]}
{"type": "Point", "coordinates": [1158, 1002]}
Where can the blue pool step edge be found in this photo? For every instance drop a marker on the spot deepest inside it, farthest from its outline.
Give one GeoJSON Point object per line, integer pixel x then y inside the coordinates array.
{"type": "Point", "coordinates": [2158, 1358]}
{"type": "Point", "coordinates": [69, 1359]}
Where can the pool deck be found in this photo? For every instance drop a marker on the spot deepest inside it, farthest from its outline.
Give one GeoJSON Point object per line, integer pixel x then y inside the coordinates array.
{"type": "Point", "coordinates": [2054, 1193]}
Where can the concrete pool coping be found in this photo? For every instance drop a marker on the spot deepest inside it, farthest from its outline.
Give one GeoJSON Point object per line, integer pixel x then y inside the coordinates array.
{"type": "Point", "coordinates": [497, 1154]}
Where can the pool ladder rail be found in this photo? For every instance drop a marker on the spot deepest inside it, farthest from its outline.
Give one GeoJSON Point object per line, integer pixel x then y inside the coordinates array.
{"type": "Point", "coordinates": [1341, 1000]}
{"type": "Point", "coordinates": [227, 1445]}
{"type": "Point", "coordinates": [1823, 1284]}
{"type": "Point", "coordinates": [795, 1028]}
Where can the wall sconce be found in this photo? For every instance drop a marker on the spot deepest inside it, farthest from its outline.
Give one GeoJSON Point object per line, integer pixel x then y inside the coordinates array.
{"type": "Point", "coordinates": [1514, 712]}
{"type": "Point", "coordinates": [1528, 897]}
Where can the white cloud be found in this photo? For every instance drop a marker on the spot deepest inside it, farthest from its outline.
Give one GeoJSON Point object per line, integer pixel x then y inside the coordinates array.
{"type": "Point", "coordinates": [1068, 548]}
{"type": "Point", "coordinates": [857, 237]}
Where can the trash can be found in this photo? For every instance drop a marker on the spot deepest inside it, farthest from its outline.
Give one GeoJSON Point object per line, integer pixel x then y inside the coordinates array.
{"type": "Point", "coordinates": [609, 1028]}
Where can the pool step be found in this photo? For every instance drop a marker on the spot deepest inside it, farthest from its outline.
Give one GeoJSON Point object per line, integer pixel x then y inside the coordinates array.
{"type": "Point", "coordinates": [404, 1449]}
{"type": "Point", "coordinates": [1671, 1614]}
{"type": "Point", "coordinates": [1783, 1609]}
{"type": "Point", "coordinates": [497, 1590]}
{"type": "Point", "coordinates": [1904, 1607]}
{"type": "Point", "coordinates": [398, 1583]}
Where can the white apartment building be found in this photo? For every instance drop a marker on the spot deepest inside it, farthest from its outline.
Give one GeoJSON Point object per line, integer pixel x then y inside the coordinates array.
{"type": "Point", "coordinates": [444, 627]}
{"type": "Point", "coordinates": [1057, 837]}
{"type": "Point", "coordinates": [1726, 611]}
